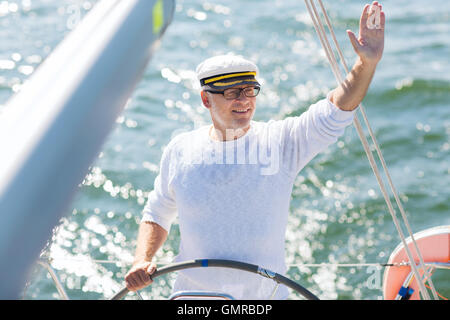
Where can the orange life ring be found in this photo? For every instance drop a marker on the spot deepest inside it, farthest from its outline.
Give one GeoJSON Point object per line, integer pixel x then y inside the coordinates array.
{"type": "Point", "coordinates": [434, 246]}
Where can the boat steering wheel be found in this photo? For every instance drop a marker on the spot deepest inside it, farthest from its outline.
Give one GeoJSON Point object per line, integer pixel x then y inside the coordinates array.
{"type": "Point", "coordinates": [208, 263]}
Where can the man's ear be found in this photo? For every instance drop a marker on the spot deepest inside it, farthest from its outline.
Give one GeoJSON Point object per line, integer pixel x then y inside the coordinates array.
{"type": "Point", "coordinates": [205, 100]}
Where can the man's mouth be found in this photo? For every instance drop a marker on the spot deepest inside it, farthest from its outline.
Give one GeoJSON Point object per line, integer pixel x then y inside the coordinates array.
{"type": "Point", "coordinates": [241, 110]}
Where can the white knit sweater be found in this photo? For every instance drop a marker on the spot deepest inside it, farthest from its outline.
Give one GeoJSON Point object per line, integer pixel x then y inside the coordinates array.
{"type": "Point", "coordinates": [232, 197]}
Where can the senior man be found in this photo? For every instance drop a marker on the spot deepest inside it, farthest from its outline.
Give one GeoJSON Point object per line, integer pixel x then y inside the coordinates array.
{"type": "Point", "coordinates": [230, 182]}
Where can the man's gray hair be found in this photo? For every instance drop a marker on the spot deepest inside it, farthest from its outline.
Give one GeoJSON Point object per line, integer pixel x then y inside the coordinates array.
{"type": "Point", "coordinates": [206, 88]}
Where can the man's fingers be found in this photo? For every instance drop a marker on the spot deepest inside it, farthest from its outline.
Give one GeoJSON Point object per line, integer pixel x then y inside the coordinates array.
{"type": "Point", "coordinates": [144, 277]}
{"type": "Point", "coordinates": [139, 277]}
{"type": "Point", "coordinates": [353, 40]}
{"type": "Point", "coordinates": [131, 284]}
{"type": "Point", "coordinates": [151, 269]}
{"type": "Point", "coordinates": [372, 17]}
{"type": "Point", "coordinates": [382, 20]}
{"type": "Point", "coordinates": [137, 282]}
{"type": "Point", "coordinates": [364, 17]}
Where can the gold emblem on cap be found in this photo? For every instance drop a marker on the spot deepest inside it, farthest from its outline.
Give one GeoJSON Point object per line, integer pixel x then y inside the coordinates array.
{"type": "Point", "coordinates": [220, 84]}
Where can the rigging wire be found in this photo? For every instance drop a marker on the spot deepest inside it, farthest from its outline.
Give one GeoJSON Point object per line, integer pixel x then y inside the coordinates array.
{"type": "Point", "coordinates": [379, 153]}
{"type": "Point", "coordinates": [437, 265]}
{"type": "Point", "coordinates": [334, 66]}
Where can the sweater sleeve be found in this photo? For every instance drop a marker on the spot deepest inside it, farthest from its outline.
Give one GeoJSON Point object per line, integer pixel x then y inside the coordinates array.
{"type": "Point", "coordinates": [161, 206]}
{"type": "Point", "coordinates": [303, 137]}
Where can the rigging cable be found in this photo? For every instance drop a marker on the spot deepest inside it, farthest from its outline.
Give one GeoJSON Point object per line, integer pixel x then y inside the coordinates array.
{"type": "Point", "coordinates": [335, 68]}
{"type": "Point", "coordinates": [380, 156]}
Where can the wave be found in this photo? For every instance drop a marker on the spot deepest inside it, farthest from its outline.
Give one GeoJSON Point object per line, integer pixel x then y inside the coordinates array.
{"type": "Point", "coordinates": [412, 92]}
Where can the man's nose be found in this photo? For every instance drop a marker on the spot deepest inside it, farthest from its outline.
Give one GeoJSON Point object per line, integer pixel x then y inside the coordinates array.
{"type": "Point", "coordinates": [242, 96]}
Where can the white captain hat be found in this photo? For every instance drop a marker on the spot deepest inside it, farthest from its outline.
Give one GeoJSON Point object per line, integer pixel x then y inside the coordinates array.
{"type": "Point", "coordinates": [225, 71]}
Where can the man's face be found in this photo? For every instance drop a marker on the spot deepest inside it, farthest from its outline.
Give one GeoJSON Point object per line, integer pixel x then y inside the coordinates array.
{"type": "Point", "coordinates": [231, 114]}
